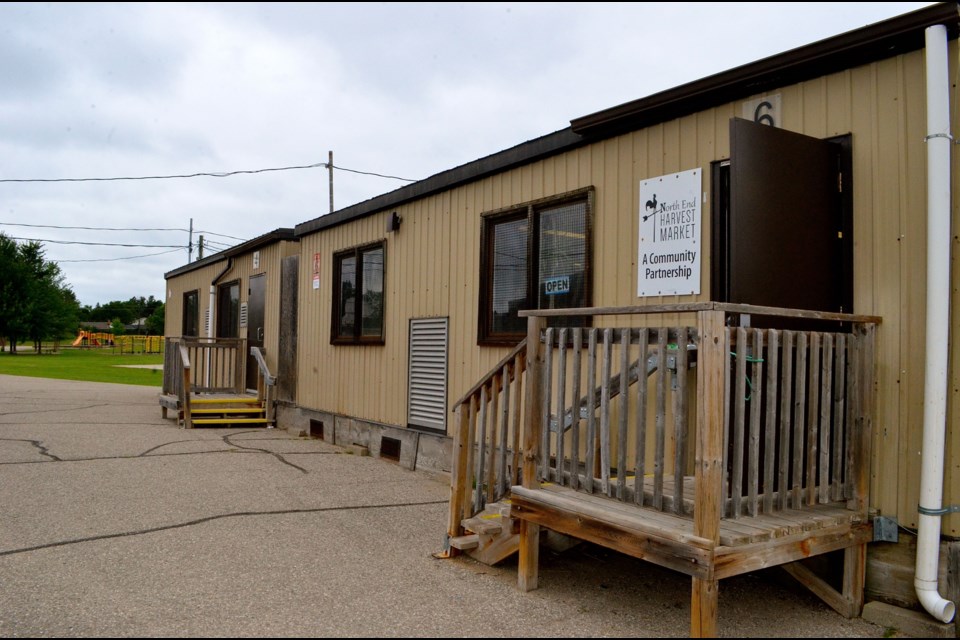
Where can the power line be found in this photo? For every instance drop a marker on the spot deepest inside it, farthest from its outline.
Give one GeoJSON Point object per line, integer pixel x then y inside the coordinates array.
{"type": "Point", "coordinates": [53, 226]}
{"type": "Point", "coordinates": [146, 255]}
{"type": "Point", "coordinates": [222, 235]}
{"type": "Point", "coordinates": [368, 173]}
{"type": "Point", "coordinates": [101, 244]}
{"type": "Point", "coordinates": [223, 174]}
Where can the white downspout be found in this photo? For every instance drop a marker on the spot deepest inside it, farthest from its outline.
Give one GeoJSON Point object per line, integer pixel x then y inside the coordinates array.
{"type": "Point", "coordinates": [938, 326]}
{"type": "Point", "coordinates": [213, 301]}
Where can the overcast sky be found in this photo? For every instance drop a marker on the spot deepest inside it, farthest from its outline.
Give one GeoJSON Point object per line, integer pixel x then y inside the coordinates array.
{"type": "Point", "coordinates": [398, 89]}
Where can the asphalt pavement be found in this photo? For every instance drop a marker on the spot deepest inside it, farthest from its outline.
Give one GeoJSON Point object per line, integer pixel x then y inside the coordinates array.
{"type": "Point", "coordinates": [116, 523]}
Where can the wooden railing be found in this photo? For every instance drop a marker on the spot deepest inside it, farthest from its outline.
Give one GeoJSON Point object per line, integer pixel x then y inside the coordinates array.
{"type": "Point", "coordinates": [218, 365]}
{"type": "Point", "coordinates": [705, 418]}
{"type": "Point", "coordinates": [774, 419]}
{"type": "Point", "coordinates": [486, 442]}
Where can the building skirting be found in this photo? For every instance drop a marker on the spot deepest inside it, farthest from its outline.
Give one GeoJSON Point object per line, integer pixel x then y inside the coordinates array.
{"type": "Point", "coordinates": [409, 448]}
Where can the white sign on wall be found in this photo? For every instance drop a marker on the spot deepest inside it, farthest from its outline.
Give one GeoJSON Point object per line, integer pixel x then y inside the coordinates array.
{"type": "Point", "coordinates": [668, 261]}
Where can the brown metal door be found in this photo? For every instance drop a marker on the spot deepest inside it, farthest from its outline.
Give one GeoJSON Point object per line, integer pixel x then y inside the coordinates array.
{"type": "Point", "coordinates": [784, 242]}
{"type": "Point", "coordinates": [255, 304]}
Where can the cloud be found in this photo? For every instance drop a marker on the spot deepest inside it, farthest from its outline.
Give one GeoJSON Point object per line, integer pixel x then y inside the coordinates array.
{"type": "Point", "coordinates": [404, 89]}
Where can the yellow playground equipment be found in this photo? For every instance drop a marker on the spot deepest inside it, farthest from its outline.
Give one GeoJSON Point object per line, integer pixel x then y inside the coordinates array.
{"type": "Point", "coordinates": [91, 339]}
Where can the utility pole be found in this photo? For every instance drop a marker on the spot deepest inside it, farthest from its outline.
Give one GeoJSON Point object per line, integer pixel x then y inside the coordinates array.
{"type": "Point", "coordinates": [330, 171]}
{"type": "Point", "coordinates": [200, 249]}
{"type": "Point", "coordinates": [190, 243]}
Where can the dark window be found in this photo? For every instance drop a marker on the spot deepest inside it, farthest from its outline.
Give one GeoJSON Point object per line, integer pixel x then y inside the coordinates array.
{"type": "Point", "coordinates": [358, 295]}
{"type": "Point", "coordinates": [191, 314]}
{"type": "Point", "coordinates": [534, 257]}
{"type": "Point", "coordinates": [228, 310]}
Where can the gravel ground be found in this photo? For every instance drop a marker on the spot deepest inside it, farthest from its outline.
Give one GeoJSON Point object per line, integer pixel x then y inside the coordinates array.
{"type": "Point", "coordinates": [116, 523]}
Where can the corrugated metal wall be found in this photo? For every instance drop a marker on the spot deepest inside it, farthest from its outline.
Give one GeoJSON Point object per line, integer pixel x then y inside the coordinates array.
{"type": "Point", "coordinates": [432, 262]}
{"type": "Point", "coordinates": [242, 268]}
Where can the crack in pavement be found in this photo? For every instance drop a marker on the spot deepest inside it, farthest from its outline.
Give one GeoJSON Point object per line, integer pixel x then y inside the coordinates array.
{"type": "Point", "coordinates": [59, 410]}
{"type": "Point", "coordinates": [226, 438]}
{"type": "Point", "coordinates": [38, 444]}
{"type": "Point", "coordinates": [190, 523]}
{"type": "Point", "coordinates": [164, 455]}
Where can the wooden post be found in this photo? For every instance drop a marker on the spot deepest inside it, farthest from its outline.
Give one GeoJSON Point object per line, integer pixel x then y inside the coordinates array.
{"type": "Point", "coordinates": [533, 427]}
{"type": "Point", "coordinates": [711, 372]}
{"type": "Point", "coordinates": [186, 388]}
{"type": "Point", "coordinates": [855, 558]}
{"type": "Point", "coordinates": [461, 445]}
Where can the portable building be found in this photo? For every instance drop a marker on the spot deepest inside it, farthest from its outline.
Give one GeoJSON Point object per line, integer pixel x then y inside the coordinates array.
{"type": "Point", "coordinates": [808, 181]}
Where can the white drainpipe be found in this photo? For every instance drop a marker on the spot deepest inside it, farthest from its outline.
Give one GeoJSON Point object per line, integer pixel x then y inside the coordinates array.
{"type": "Point", "coordinates": [938, 327]}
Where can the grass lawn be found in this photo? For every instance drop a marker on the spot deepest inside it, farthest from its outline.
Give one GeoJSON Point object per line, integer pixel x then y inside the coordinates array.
{"type": "Point", "coordinates": [92, 365]}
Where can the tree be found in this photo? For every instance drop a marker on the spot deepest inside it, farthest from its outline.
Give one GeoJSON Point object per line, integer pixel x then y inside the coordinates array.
{"type": "Point", "coordinates": [156, 321]}
{"type": "Point", "coordinates": [35, 302]}
{"type": "Point", "coordinates": [116, 327]}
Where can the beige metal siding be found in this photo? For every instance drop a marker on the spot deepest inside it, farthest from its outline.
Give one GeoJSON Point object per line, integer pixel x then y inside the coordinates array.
{"type": "Point", "coordinates": [432, 262]}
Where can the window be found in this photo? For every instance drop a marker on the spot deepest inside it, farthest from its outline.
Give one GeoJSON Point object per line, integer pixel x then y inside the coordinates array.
{"type": "Point", "coordinates": [191, 314]}
{"type": "Point", "coordinates": [534, 257]}
{"type": "Point", "coordinates": [228, 310]}
{"type": "Point", "coordinates": [358, 295]}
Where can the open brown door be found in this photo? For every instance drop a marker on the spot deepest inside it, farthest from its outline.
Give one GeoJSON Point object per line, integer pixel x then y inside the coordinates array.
{"type": "Point", "coordinates": [784, 244]}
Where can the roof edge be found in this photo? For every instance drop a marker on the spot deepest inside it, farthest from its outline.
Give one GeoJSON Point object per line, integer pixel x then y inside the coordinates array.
{"type": "Point", "coordinates": [277, 235]}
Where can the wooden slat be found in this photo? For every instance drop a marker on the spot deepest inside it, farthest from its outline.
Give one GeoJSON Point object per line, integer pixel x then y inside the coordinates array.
{"type": "Point", "coordinates": [481, 458]}
{"type": "Point", "coordinates": [680, 420]}
{"type": "Point", "coordinates": [589, 463]}
{"type": "Point", "coordinates": [661, 434]}
{"type": "Point", "coordinates": [491, 463]}
{"type": "Point", "coordinates": [518, 367]}
{"type": "Point", "coordinates": [575, 428]}
{"type": "Point", "coordinates": [786, 406]}
{"type": "Point", "coordinates": [853, 394]}
{"type": "Point", "coordinates": [839, 416]}
{"type": "Point", "coordinates": [641, 425]}
{"type": "Point", "coordinates": [547, 396]}
{"type": "Point", "coordinates": [813, 418]}
{"type": "Point", "coordinates": [504, 444]}
{"type": "Point", "coordinates": [605, 413]}
{"type": "Point", "coordinates": [561, 401]}
{"type": "Point", "coordinates": [756, 398]}
{"type": "Point", "coordinates": [727, 400]}
{"type": "Point", "coordinates": [468, 487]}
{"type": "Point", "coordinates": [826, 405]}
{"type": "Point", "coordinates": [799, 405]}
{"type": "Point", "coordinates": [622, 418]}
{"type": "Point", "coordinates": [770, 422]}
{"type": "Point", "coordinates": [739, 423]}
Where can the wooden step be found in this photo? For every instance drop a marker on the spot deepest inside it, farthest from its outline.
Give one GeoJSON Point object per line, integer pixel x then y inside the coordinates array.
{"type": "Point", "coordinates": [222, 410]}
{"type": "Point", "coordinates": [202, 421]}
{"type": "Point", "coordinates": [486, 524]}
{"type": "Point", "coordinates": [235, 400]}
{"type": "Point", "coordinates": [465, 542]}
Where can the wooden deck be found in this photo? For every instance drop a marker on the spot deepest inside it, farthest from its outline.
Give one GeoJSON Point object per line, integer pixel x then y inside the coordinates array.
{"type": "Point", "coordinates": [669, 540]}
{"type": "Point", "coordinates": [706, 445]}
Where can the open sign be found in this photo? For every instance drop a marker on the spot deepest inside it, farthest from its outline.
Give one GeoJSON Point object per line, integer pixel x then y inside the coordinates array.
{"type": "Point", "coordinates": [555, 286]}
